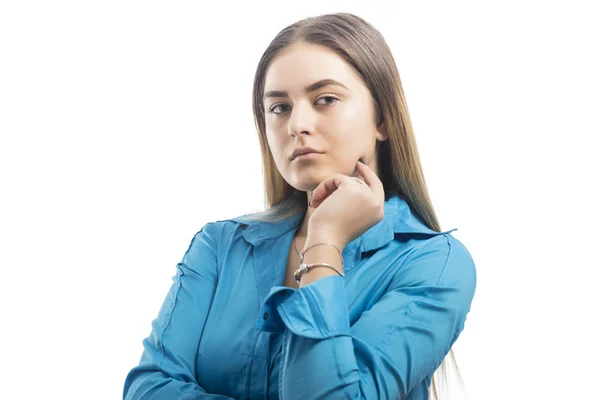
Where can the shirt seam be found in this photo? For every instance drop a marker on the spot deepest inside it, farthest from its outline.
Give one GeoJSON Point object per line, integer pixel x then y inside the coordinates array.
{"type": "Point", "coordinates": [251, 364]}
{"type": "Point", "coordinates": [320, 329]}
{"type": "Point", "coordinates": [209, 239]}
{"type": "Point", "coordinates": [437, 284]}
{"type": "Point", "coordinates": [282, 363]}
{"type": "Point", "coordinates": [168, 321]}
{"type": "Point", "coordinates": [339, 374]}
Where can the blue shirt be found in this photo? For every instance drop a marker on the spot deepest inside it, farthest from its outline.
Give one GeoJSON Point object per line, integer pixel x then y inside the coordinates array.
{"type": "Point", "coordinates": [229, 328]}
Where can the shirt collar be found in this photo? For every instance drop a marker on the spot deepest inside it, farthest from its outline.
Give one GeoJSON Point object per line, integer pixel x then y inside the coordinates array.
{"type": "Point", "coordinates": [398, 218]}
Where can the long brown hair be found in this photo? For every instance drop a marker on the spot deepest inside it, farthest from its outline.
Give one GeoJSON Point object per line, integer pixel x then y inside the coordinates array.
{"type": "Point", "coordinates": [364, 48]}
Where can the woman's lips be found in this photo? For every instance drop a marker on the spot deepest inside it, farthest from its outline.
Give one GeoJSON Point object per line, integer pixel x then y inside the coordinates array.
{"type": "Point", "coordinates": [307, 156]}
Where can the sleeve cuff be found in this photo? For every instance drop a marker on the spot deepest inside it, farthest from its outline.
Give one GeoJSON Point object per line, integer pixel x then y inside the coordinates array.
{"type": "Point", "coordinates": [316, 311]}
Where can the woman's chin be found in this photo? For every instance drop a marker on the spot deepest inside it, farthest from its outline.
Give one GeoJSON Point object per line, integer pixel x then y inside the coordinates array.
{"type": "Point", "coordinates": [308, 180]}
{"type": "Point", "coordinates": [306, 184]}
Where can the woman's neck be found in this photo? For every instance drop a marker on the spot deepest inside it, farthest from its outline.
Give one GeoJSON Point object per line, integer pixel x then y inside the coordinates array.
{"type": "Point", "coordinates": [303, 228]}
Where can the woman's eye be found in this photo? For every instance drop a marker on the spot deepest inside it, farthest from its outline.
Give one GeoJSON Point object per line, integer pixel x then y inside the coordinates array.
{"type": "Point", "coordinates": [328, 97]}
{"type": "Point", "coordinates": [331, 99]}
{"type": "Point", "coordinates": [272, 109]}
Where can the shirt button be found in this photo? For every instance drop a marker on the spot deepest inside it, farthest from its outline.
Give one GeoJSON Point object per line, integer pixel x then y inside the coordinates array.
{"type": "Point", "coordinates": [265, 316]}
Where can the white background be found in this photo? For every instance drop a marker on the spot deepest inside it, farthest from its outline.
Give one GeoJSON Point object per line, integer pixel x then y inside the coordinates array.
{"type": "Point", "coordinates": [127, 125]}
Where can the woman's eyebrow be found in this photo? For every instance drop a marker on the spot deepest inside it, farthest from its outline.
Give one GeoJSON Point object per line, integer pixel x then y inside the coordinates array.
{"type": "Point", "coordinates": [307, 89]}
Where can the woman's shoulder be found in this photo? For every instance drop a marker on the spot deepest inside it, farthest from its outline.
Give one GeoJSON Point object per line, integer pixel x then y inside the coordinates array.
{"type": "Point", "coordinates": [250, 227]}
{"type": "Point", "coordinates": [216, 231]}
{"type": "Point", "coordinates": [442, 261]}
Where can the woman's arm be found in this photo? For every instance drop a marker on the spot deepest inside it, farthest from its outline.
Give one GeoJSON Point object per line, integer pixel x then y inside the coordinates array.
{"type": "Point", "coordinates": [392, 347]}
{"type": "Point", "coordinates": [167, 368]}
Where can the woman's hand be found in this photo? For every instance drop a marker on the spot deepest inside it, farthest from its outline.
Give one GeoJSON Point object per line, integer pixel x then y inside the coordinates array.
{"type": "Point", "coordinates": [346, 206]}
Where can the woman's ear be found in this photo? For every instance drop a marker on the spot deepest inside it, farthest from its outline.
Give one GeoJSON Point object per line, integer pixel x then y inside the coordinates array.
{"type": "Point", "coordinates": [382, 135]}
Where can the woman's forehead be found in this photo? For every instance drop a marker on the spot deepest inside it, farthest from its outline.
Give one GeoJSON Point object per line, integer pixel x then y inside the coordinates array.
{"type": "Point", "coordinates": [300, 66]}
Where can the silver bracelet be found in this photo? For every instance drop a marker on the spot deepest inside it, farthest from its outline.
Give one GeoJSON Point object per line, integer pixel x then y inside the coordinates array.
{"type": "Point", "coordinates": [319, 244]}
{"type": "Point", "coordinates": [307, 267]}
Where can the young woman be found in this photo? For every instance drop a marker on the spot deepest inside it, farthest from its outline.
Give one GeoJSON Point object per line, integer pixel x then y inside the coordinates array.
{"type": "Point", "coordinates": [344, 287]}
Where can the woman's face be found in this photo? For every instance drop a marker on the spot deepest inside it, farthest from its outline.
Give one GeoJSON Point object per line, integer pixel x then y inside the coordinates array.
{"type": "Point", "coordinates": [337, 121]}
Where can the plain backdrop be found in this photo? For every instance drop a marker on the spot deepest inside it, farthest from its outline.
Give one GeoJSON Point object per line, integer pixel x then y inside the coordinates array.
{"type": "Point", "coordinates": [127, 125]}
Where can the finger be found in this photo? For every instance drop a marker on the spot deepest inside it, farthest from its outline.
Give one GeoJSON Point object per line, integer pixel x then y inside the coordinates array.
{"type": "Point", "coordinates": [318, 193]}
{"type": "Point", "coordinates": [356, 173]}
{"type": "Point", "coordinates": [370, 178]}
{"type": "Point", "coordinates": [325, 189]}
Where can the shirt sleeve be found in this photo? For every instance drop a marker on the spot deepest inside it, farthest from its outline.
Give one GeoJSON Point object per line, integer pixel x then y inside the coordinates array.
{"type": "Point", "coordinates": [167, 367]}
{"type": "Point", "coordinates": [393, 345]}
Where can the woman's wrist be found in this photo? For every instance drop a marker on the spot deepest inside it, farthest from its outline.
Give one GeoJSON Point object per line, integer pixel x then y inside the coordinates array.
{"type": "Point", "coordinates": [315, 236]}
{"type": "Point", "coordinates": [326, 252]}
{"type": "Point", "coordinates": [322, 254]}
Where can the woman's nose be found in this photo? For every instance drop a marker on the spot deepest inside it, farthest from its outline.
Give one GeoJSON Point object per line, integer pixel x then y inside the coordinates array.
{"type": "Point", "coordinates": [301, 120]}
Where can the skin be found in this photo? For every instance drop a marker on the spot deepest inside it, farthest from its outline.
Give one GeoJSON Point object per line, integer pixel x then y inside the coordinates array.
{"type": "Point", "coordinates": [338, 121]}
